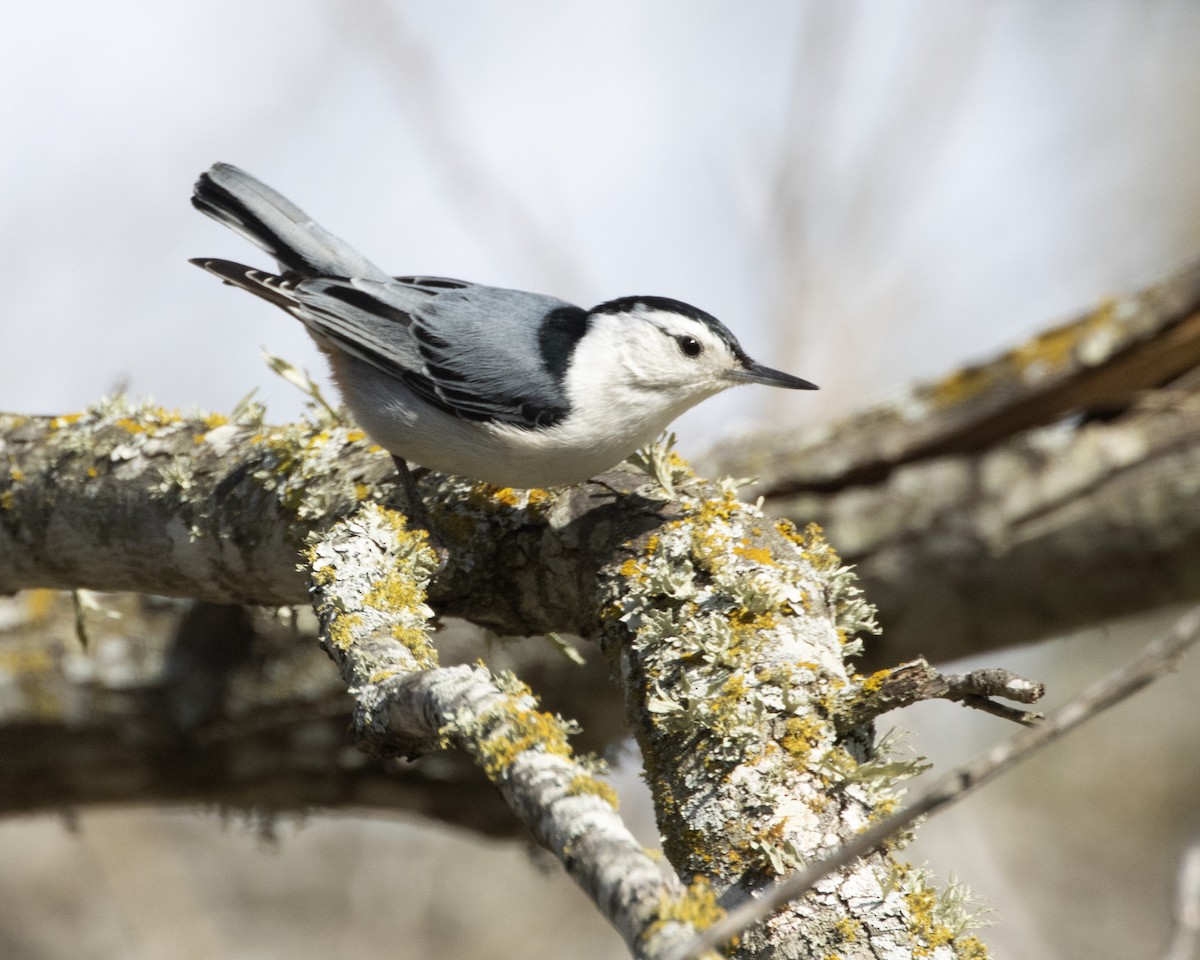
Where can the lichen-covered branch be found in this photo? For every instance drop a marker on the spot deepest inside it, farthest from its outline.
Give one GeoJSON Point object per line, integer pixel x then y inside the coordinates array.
{"type": "Point", "coordinates": [369, 575]}
{"type": "Point", "coordinates": [1101, 360]}
{"type": "Point", "coordinates": [1057, 529]}
{"type": "Point", "coordinates": [1157, 659]}
{"type": "Point", "coordinates": [1046, 491]}
{"type": "Point", "coordinates": [171, 702]}
{"type": "Point", "coordinates": [729, 634]}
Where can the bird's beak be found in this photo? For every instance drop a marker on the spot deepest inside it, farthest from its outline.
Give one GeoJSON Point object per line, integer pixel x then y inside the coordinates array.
{"type": "Point", "coordinates": [754, 372]}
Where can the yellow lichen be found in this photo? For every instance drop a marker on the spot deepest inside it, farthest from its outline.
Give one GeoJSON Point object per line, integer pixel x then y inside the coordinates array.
{"type": "Point", "coordinates": [872, 683]}
{"type": "Point", "coordinates": [21, 662]}
{"type": "Point", "coordinates": [921, 922]}
{"type": "Point", "coordinates": [583, 784]}
{"type": "Point", "coordinates": [970, 948]}
{"type": "Point", "coordinates": [800, 736]}
{"type": "Point", "coordinates": [322, 576]}
{"type": "Point", "coordinates": [1055, 348]}
{"type": "Point", "coordinates": [521, 728]}
{"type": "Point", "coordinates": [394, 592]}
{"type": "Point", "coordinates": [697, 906]}
{"type": "Point", "coordinates": [39, 603]}
{"type": "Point", "coordinates": [417, 641]}
{"type": "Point", "coordinates": [757, 554]}
{"type": "Point", "coordinates": [341, 630]}
{"type": "Point", "coordinates": [67, 418]}
{"type": "Point", "coordinates": [847, 929]}
{"type": "Point", "coordinates": [962, 385]}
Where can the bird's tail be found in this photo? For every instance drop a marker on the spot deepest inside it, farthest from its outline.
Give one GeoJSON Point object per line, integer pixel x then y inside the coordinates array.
{"type": "Point", "coordinates": [271, 221]}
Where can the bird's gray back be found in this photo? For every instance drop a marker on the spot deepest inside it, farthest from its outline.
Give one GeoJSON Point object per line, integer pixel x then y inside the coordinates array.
{"type": "Point", "coordinates": [483, 353]}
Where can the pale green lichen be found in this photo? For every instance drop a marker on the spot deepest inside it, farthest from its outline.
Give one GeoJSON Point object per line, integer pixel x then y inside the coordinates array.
{"type": "Point", "coordinates": [937, 918]}
{"type": "Point", "coordinates": [394, 600]}
{"type": "Point", "coordinates": [660, 462]}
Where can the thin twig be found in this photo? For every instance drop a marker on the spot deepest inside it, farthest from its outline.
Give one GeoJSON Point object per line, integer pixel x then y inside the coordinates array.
{"type": "Point", "coordinates": [918, 680]}
{"type": "Point", "coordinates": [1158, 658]}
{"type": "Point", "coordinates": [1185, 939]}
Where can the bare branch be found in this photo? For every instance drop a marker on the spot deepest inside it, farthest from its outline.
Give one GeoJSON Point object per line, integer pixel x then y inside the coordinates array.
{"type": "Point", "coordinates": [916, 680]}
{"type": "Point", "coordinates": [1157, 659]}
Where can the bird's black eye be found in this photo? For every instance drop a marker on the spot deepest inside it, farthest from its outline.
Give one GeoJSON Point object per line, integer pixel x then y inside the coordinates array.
{"type": "Point", "coordinates": [690, 346]}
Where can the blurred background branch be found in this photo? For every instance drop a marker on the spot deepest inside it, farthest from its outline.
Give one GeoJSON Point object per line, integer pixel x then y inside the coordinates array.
{"type": "Point", "coordinates": [1048, 490]}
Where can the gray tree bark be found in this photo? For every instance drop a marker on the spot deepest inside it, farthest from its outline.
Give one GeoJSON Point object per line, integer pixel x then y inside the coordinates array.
{"type": "Point", "coordinates": [728, 635]}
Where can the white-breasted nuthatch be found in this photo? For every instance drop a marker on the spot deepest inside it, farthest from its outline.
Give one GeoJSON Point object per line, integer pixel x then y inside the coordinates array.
{"type": "Point", "coordinates": [516, 389]}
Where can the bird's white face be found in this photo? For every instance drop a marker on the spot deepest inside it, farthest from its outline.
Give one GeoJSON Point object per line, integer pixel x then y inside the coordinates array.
{"type": "Point", "coordinates": [640, 365]}
{"type": "Point", "coordinates": [673, 358]}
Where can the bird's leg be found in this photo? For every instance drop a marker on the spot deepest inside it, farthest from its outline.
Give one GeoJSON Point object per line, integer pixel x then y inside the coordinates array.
{"type": "Point", "coordinates": [416, 505]}
{"type": "Point", "coordinates": [417, 513]}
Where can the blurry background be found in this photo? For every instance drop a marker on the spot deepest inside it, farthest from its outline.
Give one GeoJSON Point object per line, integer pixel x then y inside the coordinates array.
{"type": "Point", "coordinates": [866, 193]}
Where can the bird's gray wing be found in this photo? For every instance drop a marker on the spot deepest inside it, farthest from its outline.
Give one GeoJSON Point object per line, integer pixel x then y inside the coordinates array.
{"type": "Point", "coordinates": [480, 353]}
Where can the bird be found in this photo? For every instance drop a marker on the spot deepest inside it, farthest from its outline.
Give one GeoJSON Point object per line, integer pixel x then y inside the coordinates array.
{"type": "Point", "coordinates": [514, 389]}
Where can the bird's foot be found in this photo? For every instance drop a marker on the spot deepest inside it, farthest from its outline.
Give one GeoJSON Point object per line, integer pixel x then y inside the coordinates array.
{"type": "Point", "coordinates": [418, 515]}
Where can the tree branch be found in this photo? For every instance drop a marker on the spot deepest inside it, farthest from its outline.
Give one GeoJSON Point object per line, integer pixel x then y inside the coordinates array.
{"type": "Point", "coordinates": [1043, 492]}
{"type": "Point", "coordinates": [368, 576]}
{"type": "Point", "coordinates": [1157, 659]}
{"type": "Point", "coordinates": [916, 681]}
{"type": "Point", "coordinates": [729, 635]}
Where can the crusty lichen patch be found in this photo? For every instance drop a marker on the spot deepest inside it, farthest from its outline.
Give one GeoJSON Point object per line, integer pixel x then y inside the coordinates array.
{"type": "Point", "coordinates": [938, 920]}
{"type": "Point", "coordinates": [510, 727]}
{"type": "Point", "coordinates": [355, 602]}
{"type": "Point", "coordinates": [720, 604]}
{"type": "Point", "coordinates": [697, 906]}
{"type": "Point", "coordinates": [734, 632]}
{"type": "Point", "coordinates": [585, 784]}
{"type": "Point", "coordinates": [1082, 342]}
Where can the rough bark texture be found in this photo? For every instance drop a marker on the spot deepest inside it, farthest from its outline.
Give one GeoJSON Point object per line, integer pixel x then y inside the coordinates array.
{"type": "Point", "coordinates": [729, 635]}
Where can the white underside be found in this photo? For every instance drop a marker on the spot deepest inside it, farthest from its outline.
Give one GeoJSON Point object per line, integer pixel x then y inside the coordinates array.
{"type": "Point", "coordinates": [570, 452]}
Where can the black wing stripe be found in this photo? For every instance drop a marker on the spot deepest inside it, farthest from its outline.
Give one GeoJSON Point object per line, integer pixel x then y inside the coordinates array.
{"type": "Point", "coordinates": [216, 201]}
{"type": "Point", "coordinates": [361, 300]}
{"type": "Point", "coordinates": [458, 403]}
{"type": "Point", "coordinates": [437, 283]}
{"type": "Point", "coordinates": [428, 338]}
